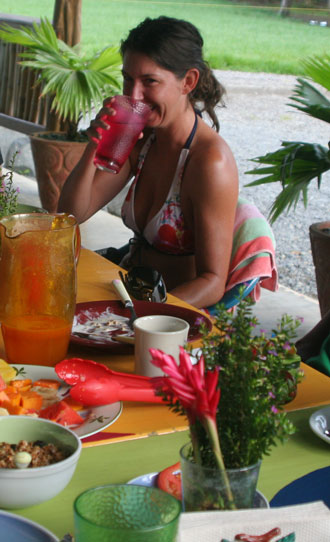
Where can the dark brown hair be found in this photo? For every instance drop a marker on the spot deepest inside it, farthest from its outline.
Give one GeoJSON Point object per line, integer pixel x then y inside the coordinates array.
{"type": "Point", "coordinates": [177, 46]}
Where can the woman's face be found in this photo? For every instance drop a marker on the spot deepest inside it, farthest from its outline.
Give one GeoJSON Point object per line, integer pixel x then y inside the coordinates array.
{"type": "Point", "coordinates": [161, 89]}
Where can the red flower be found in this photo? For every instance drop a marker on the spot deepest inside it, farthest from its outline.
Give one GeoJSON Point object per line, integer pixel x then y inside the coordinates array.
{"type": "Point", "coordinates": [199, 396]}
{"type": "Point", "coordinates": [197, 391]}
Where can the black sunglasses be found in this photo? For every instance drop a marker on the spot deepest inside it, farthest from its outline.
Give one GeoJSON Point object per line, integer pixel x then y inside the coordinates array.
{"type": "Point", "coordinates": [145, 284]}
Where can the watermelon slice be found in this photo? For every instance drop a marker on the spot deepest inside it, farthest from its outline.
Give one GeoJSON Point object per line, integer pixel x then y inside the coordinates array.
{"type": "Point", "coordinates": [61, 413]}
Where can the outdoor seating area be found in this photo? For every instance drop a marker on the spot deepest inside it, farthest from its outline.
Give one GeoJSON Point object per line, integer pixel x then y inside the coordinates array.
{"type": "Point", "coordinates": [135, 404]}
{"type": "Point", "coordinates": [152, 434]}
{"type": "Point", "coordinates": [105, 229]}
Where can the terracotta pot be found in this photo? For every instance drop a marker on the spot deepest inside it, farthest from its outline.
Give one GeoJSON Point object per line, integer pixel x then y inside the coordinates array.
{"type": "Point", "coordinates": [320, 242]}
{"type": "Point", "coordinates": [54, 160]}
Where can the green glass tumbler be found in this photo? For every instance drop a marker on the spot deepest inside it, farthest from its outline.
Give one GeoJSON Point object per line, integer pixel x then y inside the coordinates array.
{"type": "Point", "coordinates": [126, 513]}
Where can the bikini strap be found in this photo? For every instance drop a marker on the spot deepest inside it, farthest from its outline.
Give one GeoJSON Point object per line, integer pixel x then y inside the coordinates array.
{"type": "Point", "coordinates": [192, 133]}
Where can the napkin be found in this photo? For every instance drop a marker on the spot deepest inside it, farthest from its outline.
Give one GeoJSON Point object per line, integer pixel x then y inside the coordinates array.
{"type": "Point", "coordinates": [310, 522]}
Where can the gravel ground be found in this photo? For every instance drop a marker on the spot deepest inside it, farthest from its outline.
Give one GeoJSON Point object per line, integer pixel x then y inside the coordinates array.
{"type": "Point", "coordinates": [255, 121]}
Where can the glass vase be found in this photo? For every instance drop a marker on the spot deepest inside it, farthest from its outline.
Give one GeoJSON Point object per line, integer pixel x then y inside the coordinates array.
{"type": "Point", "coordinates": [205, 488]}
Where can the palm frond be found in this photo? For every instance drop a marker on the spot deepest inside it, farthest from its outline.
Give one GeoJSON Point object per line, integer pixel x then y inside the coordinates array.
{"type": "Point", "coordinates": [314, 103]}
{"type": "Point", "coordinates": [318, 69]}
{"type": "Point", "coordinates": [295, 165]}
{"type": "Point", "coordinates": [41, 36]}
{"type": "Point", "coordinates": [77, 83]}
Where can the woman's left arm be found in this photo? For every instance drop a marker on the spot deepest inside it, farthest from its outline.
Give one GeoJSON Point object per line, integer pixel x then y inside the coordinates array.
{"type": "Point", "coordinates": [211, 188]}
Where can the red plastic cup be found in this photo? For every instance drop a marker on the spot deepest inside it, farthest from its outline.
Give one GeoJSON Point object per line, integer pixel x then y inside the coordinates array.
{"type": "Point", "coordinates": [118, 141]}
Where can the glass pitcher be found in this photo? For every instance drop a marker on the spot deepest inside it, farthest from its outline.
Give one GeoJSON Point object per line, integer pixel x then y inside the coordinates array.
{"type": "Point", "coordinates": [38, 258]}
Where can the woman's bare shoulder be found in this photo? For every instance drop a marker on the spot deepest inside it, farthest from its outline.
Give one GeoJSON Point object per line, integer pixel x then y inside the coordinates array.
{"type": "Point", "coordinates": [212, 158]}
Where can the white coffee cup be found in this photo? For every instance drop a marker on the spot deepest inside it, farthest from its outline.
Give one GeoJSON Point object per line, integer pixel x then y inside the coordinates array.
{"type": "Point", "coordinates": [162, 332]}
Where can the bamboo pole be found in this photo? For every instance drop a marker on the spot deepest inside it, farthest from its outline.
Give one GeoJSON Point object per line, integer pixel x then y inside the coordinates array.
{"type": "Point", "coordinates": [12, 59]}
{"type": "Point", "coordinates": [34, 97]}
{"type": "Point", "coordinates": [3, 63]}
{"type": "Point", "coordinates": [18, 87]}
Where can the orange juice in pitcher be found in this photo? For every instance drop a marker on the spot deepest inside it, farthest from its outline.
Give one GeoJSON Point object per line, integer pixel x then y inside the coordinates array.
{"type": "Point", "coordinates": [38, 257]}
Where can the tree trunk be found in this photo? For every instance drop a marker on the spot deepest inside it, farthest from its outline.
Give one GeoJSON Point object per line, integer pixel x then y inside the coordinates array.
{"type": "Point", "coordinates": [67, 20]}
{"type": "Point", "coordinates": [284, 8]}
{"type": "Point", "coordinates": [67, 25]}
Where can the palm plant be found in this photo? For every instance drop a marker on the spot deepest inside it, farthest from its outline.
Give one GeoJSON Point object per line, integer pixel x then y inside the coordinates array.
{"type": "Point", "coordinates": [297, 163]}
{"type": "Point", "coordinates": [76, 83]}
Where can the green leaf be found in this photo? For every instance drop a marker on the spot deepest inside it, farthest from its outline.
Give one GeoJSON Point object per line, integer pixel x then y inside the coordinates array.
{"type": "Point", "coordinates": [77, 83]}
{"type": "Point", "coordinates": [318, 69]}
{"type": "Point", "coordinates": [297, 163]}
{"type": "Point", "coordinates": [314, 103]}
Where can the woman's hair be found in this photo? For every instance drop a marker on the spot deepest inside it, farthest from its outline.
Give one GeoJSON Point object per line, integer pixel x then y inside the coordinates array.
{"type": "Point", "coordinates": [176, 45]}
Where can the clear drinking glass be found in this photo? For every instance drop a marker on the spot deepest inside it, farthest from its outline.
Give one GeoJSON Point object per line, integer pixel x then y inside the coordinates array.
{"type": "Point", "coordinates": [204, 488]}
{"type": "Point", "coordinates": [126, 513]}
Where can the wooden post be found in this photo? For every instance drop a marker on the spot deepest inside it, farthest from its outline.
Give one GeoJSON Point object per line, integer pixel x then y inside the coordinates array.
{"type": "Point", "coordinates": [67, 26]}
{"type": "Point", "coordinates": [284, 8]}
{"type": "Point", "coordinates": [67, 20]}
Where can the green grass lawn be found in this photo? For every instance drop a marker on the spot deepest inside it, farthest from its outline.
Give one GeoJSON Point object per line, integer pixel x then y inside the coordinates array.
{"type": "Point", "coordinates": [236, 37]}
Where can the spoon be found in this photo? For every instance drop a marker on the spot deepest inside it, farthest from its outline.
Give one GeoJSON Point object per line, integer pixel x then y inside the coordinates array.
{"type": "Point", "coordinates": [125, 298]}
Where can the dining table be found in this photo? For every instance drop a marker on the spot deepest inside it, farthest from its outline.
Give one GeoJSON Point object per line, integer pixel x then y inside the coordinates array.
{"type": "Point", "coordinates": [146, 437]}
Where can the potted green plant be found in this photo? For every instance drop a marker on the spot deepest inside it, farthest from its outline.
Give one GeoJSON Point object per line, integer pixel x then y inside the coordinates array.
{"type": "Point", "coordinates": [76, 84]}
{"type": "Point", "coordinates": [9, 193]}
{"type": "Point", "coordinates": [233, 399]}
{"type": "Point", "coordinates": [297, 163]}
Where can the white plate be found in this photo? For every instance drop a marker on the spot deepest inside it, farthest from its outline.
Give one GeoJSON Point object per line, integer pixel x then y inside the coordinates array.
{"type": "Point", "coordinates": [15, 528]}
{"type": "Point", "coordinates": [96, 418]}
{"type": "Point", "coordinates": [149, 480]}
{"type": "Point", "coordinates": [319, 422]}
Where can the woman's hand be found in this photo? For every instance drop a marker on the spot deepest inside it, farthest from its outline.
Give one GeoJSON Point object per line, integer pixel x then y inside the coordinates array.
{"type": "Point", "coordinates": [96, 127]}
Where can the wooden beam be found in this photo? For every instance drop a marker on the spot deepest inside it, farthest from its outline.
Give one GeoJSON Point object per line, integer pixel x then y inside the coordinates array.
{"type": "Point", "coordinates": [19, 125]}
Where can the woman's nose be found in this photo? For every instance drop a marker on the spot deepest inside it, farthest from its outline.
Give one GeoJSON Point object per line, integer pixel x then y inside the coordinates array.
{"type": "Point", "coordinates": [136, 91]}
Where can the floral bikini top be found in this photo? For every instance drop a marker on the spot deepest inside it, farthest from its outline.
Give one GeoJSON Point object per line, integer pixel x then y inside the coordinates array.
{"type": "Point", "coordinates": [166, 231]}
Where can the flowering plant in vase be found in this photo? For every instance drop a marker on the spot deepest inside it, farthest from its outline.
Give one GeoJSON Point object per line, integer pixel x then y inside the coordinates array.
{"type": "Point", "coordinates": [234, 395]}
{"type": "Point", "coordinates": [8, 193]}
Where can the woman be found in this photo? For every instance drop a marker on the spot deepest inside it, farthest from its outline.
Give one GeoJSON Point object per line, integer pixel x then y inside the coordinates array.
{"type": "Point", "coordinates": [182, 201]}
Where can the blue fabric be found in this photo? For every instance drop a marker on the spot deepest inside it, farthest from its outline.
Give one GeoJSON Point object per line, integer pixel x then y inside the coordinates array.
{"type": "Point", "coordinates": [232, 297]}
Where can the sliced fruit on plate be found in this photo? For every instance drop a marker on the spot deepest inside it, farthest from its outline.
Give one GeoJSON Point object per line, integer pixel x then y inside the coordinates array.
{"type": "Point", "coordinates": [2, 383]}
{"type": "Point", "coordinates": [47, 383]}
{"type": "Point", "coordinates": [61, 413]}
{"type": "Point", "coordinates": [169, 480]}
{"type": "Point", "coordinates": [6, 371]}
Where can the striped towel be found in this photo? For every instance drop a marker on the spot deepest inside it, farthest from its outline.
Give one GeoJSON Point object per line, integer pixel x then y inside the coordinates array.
{"type": "Point", "coordinates": [253, 252]}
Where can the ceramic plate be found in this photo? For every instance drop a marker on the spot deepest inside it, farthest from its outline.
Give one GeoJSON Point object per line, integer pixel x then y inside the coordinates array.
{"type": "Point", "coordinates": [109, 318]}
{"type": "Point", "coordinates": [15, 528]}
{"type": "Point", "coordinates": [96, 418]}
{"type": "Point", "coordinates": [320, 423]}
{"type": "Point", "coordinates": [311, 487]}
{"type": "Point", "coordinates": [149, 480]}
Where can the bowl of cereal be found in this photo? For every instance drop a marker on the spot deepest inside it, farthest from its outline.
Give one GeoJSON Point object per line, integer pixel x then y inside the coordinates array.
{"type": "Point", "coordinates": [37, 460]}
